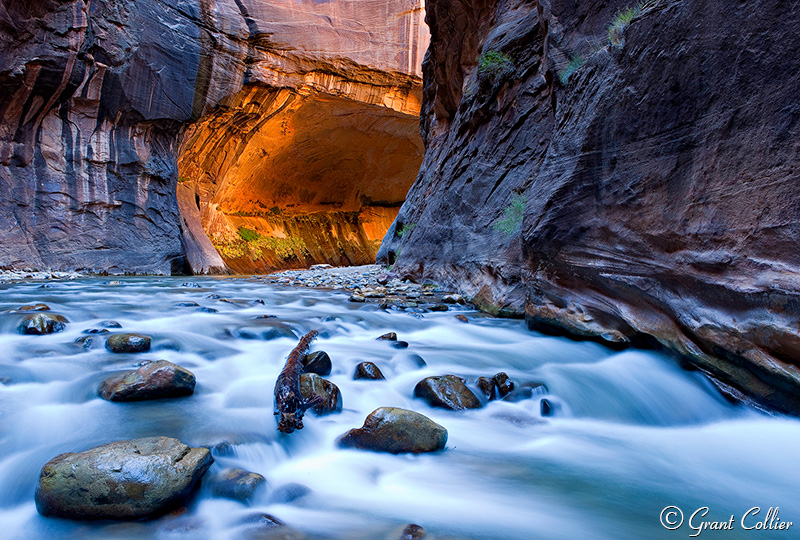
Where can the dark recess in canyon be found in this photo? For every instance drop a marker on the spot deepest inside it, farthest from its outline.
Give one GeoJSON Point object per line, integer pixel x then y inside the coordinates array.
{"type": "Point", "coordinates": [650, 194]}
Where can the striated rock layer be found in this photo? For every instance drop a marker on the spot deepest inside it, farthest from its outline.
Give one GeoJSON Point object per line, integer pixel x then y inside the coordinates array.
{"type": "Point", "coordinates": [636, 182]}
{"type": "Point", "coordinates": [97, 95]}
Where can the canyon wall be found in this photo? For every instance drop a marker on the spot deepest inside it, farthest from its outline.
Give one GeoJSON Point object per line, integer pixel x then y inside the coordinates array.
{"type": "Point", "coordinates": [98, 96]}
{"type": "Point", "coordinates": [625, 176]}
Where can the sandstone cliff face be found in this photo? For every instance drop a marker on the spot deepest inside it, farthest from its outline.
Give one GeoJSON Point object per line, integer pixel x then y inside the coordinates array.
{"type": "Point", "coordinates": [97, 96]}
{"type": "Point", "coordinates": [649, 195]}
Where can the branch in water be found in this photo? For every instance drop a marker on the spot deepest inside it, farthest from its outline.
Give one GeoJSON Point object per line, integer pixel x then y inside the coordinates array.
{"type": "Point", "coordinates": [288, 399]}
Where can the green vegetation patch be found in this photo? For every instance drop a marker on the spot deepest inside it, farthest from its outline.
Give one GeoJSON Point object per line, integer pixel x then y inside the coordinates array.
{"type": "Point", "coordinates": [494, 62]}
{"type": "Point", "coordinates": [406, 228]}
{"type": "Point", "coordinates": [254, 245]}
{"type": "Point", "coordinates": [574, 64]}
{"type": "Point", "coordinates": [512, 215]}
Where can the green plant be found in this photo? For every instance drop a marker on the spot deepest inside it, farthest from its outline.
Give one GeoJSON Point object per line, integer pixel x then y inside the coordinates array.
{"type": "Point", "coordinates": [512, 215]}
{"type": "Point", "coordinates": [182, 179]}
{"type": "Point", "coordinates": [248, 235]}
{"type": "Point", "coordinates": [575, 63]}
{"type": "Point", "coordinates": [494, 62]}
{"type": "Point", "coordinates": [406, 228]}
{"type": "Point", "coordinates": [621, 21]}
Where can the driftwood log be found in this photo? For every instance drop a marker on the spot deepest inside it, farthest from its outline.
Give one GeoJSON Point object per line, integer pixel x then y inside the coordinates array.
{"type": "Point", "coordinates": [289, 403]}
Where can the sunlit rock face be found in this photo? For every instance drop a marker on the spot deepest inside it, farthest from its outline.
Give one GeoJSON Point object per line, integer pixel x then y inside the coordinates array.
{"type": "Point", "coordinates": [287, 178]}
{"type": "Point", "coordinates": [97, 97]}
{"type": "Point", "coordinates": [627, 186]}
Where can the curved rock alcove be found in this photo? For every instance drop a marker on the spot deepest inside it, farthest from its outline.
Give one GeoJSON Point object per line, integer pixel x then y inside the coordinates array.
{"type": "Point", "coordinates": [295, 122]}
{"type": "Point", "coordinates": [279, 179]}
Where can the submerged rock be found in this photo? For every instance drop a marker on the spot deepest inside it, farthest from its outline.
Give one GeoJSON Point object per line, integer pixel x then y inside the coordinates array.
{"type": "Point", "coordinates": [128, 343]}
{"type": "Point", "coordinates": [154, 380]}
{"type": "Point", "coordinates": [447, 392]}
{"type": "Point", "coordinates": [131, 479]}
{"type": "Point", "coordinates": [412, 532]}
{"type": "Point", "coordinates": [237, 484]}
{"type": "Point", "coordinates": [317, 362]}
{"type": "Point", "coordinates": [462, 318]}
{"type": "Point", "coordinates": [34, 307]}
{"type": "Point", "coordinates": [394, 430]}
{"type": "Point", "coordinates": [504, 385]}
{"type": "Point", "coordinates": [39, 324]}
{"type": "Point", "coordinates": [548, 408]}
{"type": "Point", "coordinates": [323, 393]}
{"type": "Point", "coordinates": [288, 493]}
{"type": "Point", "coordinates": [368, 371]}
{"type": "Point", "coordinates": [486, 386]}
{"type": "Point", "coordinates": [109, 324]}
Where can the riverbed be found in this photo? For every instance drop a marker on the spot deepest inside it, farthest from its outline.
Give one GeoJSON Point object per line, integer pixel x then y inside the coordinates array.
{"type": "Point", "coordinates": [631, 432]}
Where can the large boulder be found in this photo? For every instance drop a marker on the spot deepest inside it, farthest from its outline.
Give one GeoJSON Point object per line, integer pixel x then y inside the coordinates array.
{"type": "Point", "coordinates": [38, 324]}
{"type": "Point", "coordinates": [128, 343]}
{"type": "Point", "coordinates": [324, 395]}
{"type": "Point", "coordinates": [154, 380]}
{"type": "Point", "coordinates": [446, 392]}
{"type": "Point", "coordinates": [397, 431]}
{"type": "Point", "coordinates": [132, 479]}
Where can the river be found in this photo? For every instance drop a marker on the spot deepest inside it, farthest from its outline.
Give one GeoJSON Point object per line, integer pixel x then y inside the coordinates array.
{"type": "Point", "coordinates": [632, 432]}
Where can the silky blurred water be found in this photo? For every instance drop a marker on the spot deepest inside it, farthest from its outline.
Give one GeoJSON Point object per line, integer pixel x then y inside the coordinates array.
{"type": "Point", "coordinates": [632, 434]}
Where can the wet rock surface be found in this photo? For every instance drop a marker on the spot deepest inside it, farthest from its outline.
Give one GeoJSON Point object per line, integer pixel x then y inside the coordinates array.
{"type": "Point", "coordinates": [131, 479]}
{"type": "Point", "coordinates": [317, 362]}
{"type": "Point", "coordinates": [368, 371]}
{"type": "Point", "coordinates": [447, 392]}
{"type": "Point", "coordinates": [395, 430]}
{"type": "Point", "coordinates": [324, 395]}
{"type": "Point", "coordinates": [38, 324]}
{"type": "Point", "coordinates": [237, 484]}
{"type": "Point", "coordinates": [154, 380]}
{"type": "Point", "coordinates": [592, 220]}
{"type": "Point", "coordinates": [128, 343]}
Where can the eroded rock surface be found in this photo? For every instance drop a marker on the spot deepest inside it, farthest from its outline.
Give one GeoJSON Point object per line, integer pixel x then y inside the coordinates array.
{"type": "Point", "coordinates": [97, 96]}
{"type": "Point", "coordinates": [643, 191]}
{"type": "Point", "coordinates": [121, 480]}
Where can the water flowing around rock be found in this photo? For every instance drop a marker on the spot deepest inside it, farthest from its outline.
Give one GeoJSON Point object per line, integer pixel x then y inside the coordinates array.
{"type": "Point", "coordinates": [626, 433]}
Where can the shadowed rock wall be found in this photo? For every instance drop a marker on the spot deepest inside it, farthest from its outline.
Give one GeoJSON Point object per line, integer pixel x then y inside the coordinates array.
{"type": "Point", "coordinates": [650, 194]}
{"type": "Point", "coordinates": [96, 96]}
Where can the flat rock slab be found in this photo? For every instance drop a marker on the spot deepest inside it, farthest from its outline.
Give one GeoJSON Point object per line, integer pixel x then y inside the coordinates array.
{"type": "Point", "coordinates": [397, 431]}
{"type": "Point", "coordinates": [154, 380]}
{"type": "Point", "coordinates": [131, 479]}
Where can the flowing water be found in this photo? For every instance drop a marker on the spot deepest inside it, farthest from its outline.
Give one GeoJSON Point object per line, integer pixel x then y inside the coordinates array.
{"type": "Point", "coordinates": [632, 433]}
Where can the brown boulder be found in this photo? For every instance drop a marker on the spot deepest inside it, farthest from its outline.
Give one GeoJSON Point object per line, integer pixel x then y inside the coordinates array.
{"type": "Point", "coordinates": [38, 324]}
{"type": "Point", "coordinates": [368, 371]}
{"type": "Point", "coordinates": [447, 392]}
{"type": "Point", "coordinates": [128, 343]}
{"type": "Point", "coordinates": [394, 430]}
{"type": "Point", "coordinates": [154, 380]}
{"type": "Point", "coordinates": [322, 393]}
